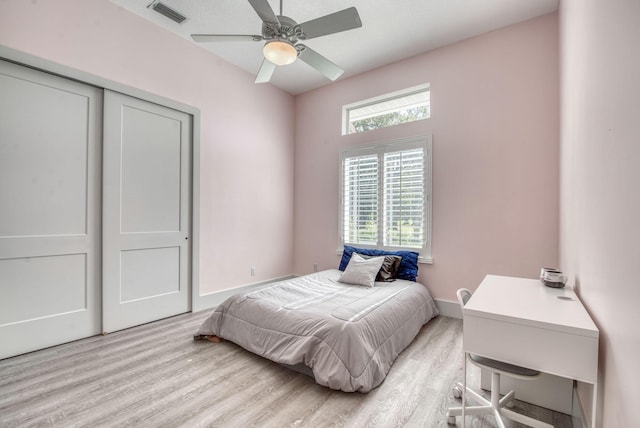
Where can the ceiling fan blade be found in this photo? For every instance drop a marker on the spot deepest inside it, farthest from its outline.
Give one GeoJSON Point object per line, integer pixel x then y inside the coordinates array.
{"type": "Point", "coordinates": [344, 20]}
{"type": "Point", "coordinates": [320, 63]}
{"type": "Point", "coordinates": [266, 71]}
{"type": "Point", "coordinates": [263, 9]}
{"type": "Point", "coordinates": [203, 38]}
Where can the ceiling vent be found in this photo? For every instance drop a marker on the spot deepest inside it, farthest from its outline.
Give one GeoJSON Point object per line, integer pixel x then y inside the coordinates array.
{"type": "Point", "coordinates": [165, 10]}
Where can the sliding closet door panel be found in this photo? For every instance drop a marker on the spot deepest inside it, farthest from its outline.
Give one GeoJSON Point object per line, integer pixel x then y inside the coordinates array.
{"type": "Point", "coordinates": [149, 272]}
{"type": "Point", "coordinates": [52, 158]}
{"type": "Point", "coordinates": [50, 179]}
{"type": "Point", "coordinates": [155, 177]}
{"type": "Point", "coordinates": [146, 212]}
{"type": "Point", "coordinates": [65, 291]}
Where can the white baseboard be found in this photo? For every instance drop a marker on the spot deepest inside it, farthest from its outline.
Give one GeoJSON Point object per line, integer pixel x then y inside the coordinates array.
{"type": "Point", "coordinates": [211, 300]}
{"type": "Point", "coordinates": [448, 308]}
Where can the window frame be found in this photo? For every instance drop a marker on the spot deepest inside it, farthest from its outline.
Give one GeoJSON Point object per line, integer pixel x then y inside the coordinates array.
{"type": "Point", "coordinates": [422, 141]}
{"type": "Point", "coordinates": [346, 109]}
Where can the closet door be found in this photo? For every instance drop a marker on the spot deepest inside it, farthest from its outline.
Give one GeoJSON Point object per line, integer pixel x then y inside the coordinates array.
{"type": "Point", "coordinates": [146, 212]}
{"type": "Point", "coordinates": [50, 157]}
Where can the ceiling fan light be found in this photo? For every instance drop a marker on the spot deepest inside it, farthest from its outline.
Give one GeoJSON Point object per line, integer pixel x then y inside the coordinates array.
{"type": "Point", "coordinates": [280, 52]}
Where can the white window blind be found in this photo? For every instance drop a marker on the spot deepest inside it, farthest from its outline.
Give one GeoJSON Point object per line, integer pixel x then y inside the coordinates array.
{"type": "Point", "coordinates": [404, 198]}
{"type": "Point", "coordinates": [386, 196]}
{"type": "Point", "coordinates": [361, 199]}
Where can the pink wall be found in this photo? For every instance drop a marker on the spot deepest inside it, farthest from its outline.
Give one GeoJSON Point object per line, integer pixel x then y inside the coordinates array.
{"type": "Point", "coordinates": [600, 199]}
{"type": "Point", "coordinates": [246, 129]}
{"type": "Point", "coordinates": [495, 133]}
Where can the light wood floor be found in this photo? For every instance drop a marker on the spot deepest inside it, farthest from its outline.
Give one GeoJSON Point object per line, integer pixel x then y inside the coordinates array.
{"type": "Point", "coordinates": [156, 376]}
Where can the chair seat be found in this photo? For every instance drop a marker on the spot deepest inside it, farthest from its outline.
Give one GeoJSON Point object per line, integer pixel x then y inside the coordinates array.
{"type": "Point", "coordinates": [502, 366]}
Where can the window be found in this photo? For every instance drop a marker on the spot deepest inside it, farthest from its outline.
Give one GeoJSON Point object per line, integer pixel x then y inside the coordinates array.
{"type": "Point", "coordinates": [386, 196]}
{"type": "Point", "coordinates": [407, 105]}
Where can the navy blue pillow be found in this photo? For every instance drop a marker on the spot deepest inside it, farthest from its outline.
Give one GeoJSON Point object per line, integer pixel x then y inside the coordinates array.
{"type": "Point", "coordinates": [408, 266]}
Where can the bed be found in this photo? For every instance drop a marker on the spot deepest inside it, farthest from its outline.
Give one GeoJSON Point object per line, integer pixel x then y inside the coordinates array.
{"type": "Point", "coordinates": [348, 336]}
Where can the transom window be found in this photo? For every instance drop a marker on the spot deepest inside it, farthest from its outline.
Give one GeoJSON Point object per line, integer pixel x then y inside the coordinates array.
{"type": "Point", "coordinates": [407, 105]}
{"type": "Point", "coordinates": [386, 196]}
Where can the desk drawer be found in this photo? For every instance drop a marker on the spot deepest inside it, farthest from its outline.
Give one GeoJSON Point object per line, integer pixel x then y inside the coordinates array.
{"type": "Point", "coordinates": [563, 354]}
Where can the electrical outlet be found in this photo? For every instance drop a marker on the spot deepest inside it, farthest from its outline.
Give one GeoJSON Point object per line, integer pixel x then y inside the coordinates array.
{"type": "Point", "coordinates": [253, 271]}
{"type": "Point", "coordinates": [315, 267]}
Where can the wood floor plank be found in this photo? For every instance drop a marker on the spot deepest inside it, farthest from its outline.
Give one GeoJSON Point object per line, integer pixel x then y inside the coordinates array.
{"type": "Point", "coordinates": [155, 375]}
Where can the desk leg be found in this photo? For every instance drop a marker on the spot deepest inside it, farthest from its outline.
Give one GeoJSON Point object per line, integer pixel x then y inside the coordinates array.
{"type": "Point", "coordinates": [594, 405]}
{"type": "Point", "coordinates": [464, 388]}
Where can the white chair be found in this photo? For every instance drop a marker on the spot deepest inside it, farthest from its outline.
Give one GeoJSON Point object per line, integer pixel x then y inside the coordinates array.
{"type": "Point", "coordinates": [496, 405]}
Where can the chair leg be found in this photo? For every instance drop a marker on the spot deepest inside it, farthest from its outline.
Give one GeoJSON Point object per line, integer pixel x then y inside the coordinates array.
{"type": "Point", "coordinates": [495, 390]}
{"type": "Point", "coordinates": [507, 399]}
{"type": "Point", "coordinates": [499, 421]}
{"type": "Point", "coordinates": [495, 398]}
{"type": "Point", "coordinates": [479, 398]}
{"type": "Point", "coordinates": [495, 407]}
{"type": "Point", "coordinates": [469, 411]}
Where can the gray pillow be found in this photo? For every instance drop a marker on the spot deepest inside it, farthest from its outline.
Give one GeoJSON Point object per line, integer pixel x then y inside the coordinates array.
{"type": "Point", "coordinates": [361, 271]}
{"type": "Point", "coordinates": [389, 269]}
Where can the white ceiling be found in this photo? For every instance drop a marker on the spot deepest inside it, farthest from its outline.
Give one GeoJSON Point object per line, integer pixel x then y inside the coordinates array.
{"type": "Point", "coordinates": [391, 30]}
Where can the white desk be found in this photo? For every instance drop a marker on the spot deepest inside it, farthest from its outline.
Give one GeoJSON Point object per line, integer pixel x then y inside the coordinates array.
{"type": "Point", "coordinates": [522, 322]}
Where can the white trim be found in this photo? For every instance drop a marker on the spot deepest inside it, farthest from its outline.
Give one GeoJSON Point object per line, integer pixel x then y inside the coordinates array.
{"type": "Point", "coordinates": [425, 87]}
{"type": "Point", "coordinates": [428, 209]}
{"type": "Point", "coordinates": [381, 147]}
{"type": "Point", "coordinates": [410, 142]}
{"type": "Point", "coordinates": [67, 72]}
{"type": "Point", "coordinates": [195, 213]}
{"type": "Point", "coordinates": [448, 308]}
{"type": "Point", "coordinates": [211, 300]}
{"type": "Point", "coordinates": [422, 260]}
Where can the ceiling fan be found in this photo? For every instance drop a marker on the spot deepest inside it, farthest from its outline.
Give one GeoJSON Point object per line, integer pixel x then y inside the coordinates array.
{"type": "Point", "coordinates": [282, 35]}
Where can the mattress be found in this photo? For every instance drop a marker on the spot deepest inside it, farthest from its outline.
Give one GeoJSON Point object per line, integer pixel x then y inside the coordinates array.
{"type": "Point", "coordinates": [347, 335]}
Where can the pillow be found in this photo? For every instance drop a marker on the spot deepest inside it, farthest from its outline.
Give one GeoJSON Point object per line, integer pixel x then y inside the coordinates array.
{"type": "Point", "coordinates": [389, 269]}
{"type": "Point", "coordinates": [408, 266]}
{"type": "Point", "coordinates": [361, 271]}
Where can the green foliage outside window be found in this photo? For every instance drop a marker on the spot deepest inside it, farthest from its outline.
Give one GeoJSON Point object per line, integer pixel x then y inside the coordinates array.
{"type": "Point", "coordinates": [390, 119]}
